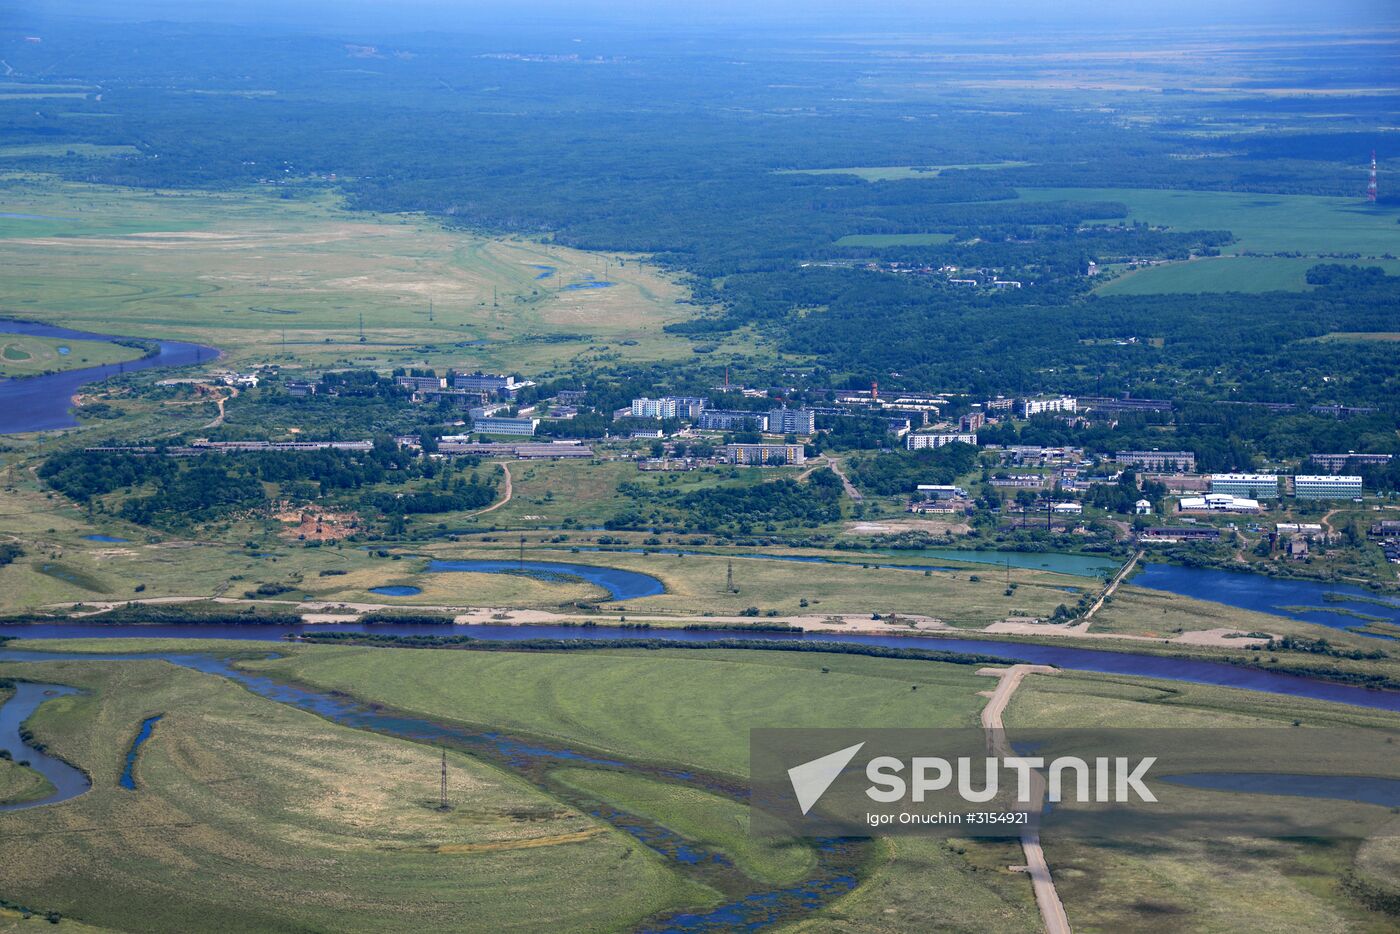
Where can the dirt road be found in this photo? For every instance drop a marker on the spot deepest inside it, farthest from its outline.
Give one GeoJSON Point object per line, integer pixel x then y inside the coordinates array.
{"type": "Point", "coordinates": [507, 490]}
{"type": "Point", "coordinates": [846, 483]}
{"type": "Point", "coordinates": [1052, 910]}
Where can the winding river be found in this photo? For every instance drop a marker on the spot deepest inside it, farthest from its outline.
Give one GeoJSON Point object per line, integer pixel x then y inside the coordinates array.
{"type": "Point", "coordinates": [42, 403]}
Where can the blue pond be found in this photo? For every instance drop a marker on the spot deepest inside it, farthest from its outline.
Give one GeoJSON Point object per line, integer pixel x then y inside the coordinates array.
{"type": "Point", "coordinates": [128, 779]}
{"type": "Point", "coordinates": [41, 403]}
{"type": "Point", "coordinates": [587, 284]}
{"type": "Point", "coordinates": [67, 781]}
{"type": "Point", "coordinates": [109, 539]}
{"type": "Point", "coordinates": [620, 584]}
{"type": "Point", "coordinates": [1307, 601]}
{"type": "Point", "coordinates": [397, 590]}
{"type": "Point", "coordinates": [64, 351]}
{"type": "Point", "coordinates": [545, 272]}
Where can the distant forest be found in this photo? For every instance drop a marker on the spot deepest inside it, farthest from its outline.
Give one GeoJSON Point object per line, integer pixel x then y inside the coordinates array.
{"type": "Point", "coordinates": [681, 151]}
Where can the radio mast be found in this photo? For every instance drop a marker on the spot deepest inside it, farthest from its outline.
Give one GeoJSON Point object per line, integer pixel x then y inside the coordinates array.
{"type": "Point", "coordinates": [1371, 187]}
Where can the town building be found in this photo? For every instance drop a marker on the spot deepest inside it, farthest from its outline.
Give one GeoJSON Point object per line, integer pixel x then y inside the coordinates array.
{"type": "Point", "coordinates": [1251, 485]}
{"type": "Point", "coordinates": [496, 384]}
{"type": "Point", "coordinates": [786, 421]}
{"type": "Point", "coordinates": [653, 408]}
{"type": "Point", "coordinates": [1067, 509]}
{"type": "Point", "coordinates": [420, 383]}
{"type": "Point", "coordinates": [1327, 486]}
{"type": "Point", "coordinates": [761, 455]}
{"type": "Point", "coordinates": [1178, 482]}
{"type": "Point", "coordinates": [732, 420]}
{"type": "Point", "coordinates": [1000, 404]}
{"type": "Point", "coordinates": [300, 389]}
{"type": "Point", "coordinates": [1048, 404]}
{"type": "Point", "coordinates": [1109, 405]}
{"type": "Point", "coordinates": [1023, 482]}
{"type": "Point", "coordinates": [1189, 533]}
{"type": "Point", "coordinates": [535, 451]}
{"type": "Point", "coordinates": [941, 491]}
{"type": "Point", "coordinates": [972, 421]}
{"type": "Point", "coordinates": [1162, 461]}
{"type": "Point", "coordinates": [1218, 502]}
{"type": "Point", "coordinates": [1336, 463]}
{"type": "Point", "coordinates": [918, 441]}
{"type": "Point", "coordinates": [505, 426]}
{"type": "Point", "coordinates": [1142, 507]}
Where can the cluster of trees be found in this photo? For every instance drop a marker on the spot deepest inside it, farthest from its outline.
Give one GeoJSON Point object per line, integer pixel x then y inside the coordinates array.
{"type": "Point", "coordinates": [782, 502]}
{"type": "Point", "coordinates": [162, 490]}
{"type": "Point", "coordinates": [900, 472]}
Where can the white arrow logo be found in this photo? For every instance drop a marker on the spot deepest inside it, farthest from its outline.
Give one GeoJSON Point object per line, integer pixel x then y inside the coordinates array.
{"type": "Point", "coordinates": [810, 780]}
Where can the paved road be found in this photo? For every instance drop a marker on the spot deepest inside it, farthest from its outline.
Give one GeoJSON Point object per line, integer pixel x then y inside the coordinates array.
{"type": "Point", "coordinates": [1047, 898]}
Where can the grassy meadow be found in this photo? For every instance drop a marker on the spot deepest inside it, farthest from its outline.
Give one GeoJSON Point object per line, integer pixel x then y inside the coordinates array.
{"type": "Point", "coordinates": [288, 280]}
{"type": "Point", "coordinates": [1175, 882]}
{"type": "Point", "coordinates": [24, 355]}
{"type": "Point", "coordinates": [270, 818]}
{"type": "Point", "coordinates": [894, 173]}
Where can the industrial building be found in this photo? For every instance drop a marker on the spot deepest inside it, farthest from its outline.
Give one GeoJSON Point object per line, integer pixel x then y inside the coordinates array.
{"type": "Point", "coordinates": [1327, 486]}
{"type": "Point", "coordinates": [918, 442]}
{"type": "Point", "coordinates": [761, 455]}
{"type": "Point", "coordinates": [941, 491]}
{"type": "Point", "coordinates": [1249, 485]}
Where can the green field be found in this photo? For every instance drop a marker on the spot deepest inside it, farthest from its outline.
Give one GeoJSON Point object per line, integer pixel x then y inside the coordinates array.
{"type": "Point", "coordinates": [1223, 274]}
{"type": "Point", "coordinates": [891, 240]}
{"type": "Point", "coordinates": [22, 355]}
{"type": "Point", "coordinates": [269, 818]}
{"type": "Point", "coordinates": [1261, 223]}
{"type": "Point", "coordinates": [890, 173]}
{"type": "Point", "coordinates": [246, 270]}
{"type": "Point", "coordinates": [1178, 882]}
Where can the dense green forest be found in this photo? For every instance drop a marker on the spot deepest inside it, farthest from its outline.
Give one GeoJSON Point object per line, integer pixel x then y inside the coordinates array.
{"type": "Point", "coordinates": [686, 152]}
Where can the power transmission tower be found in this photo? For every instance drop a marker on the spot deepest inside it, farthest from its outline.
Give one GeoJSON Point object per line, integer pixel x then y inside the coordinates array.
{"type": "Point", "coordinates": [442, 789]}
{"type": "Point", "coordinates": [362, 327]}
{"type": "Point", "coordinates": [522, 552]}
{"type": "Point", "coordinates": [729, 580]}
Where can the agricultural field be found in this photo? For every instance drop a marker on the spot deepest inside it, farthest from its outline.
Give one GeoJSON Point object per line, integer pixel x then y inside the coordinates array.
{"type": "Point", "coordinates": [287, 822]}
{"type": "Point", "coordinates": [300, 281]}
{"type": "Point", "coordinates": [1306, 224]}
{"type": "Point", "coordinates": [1222, 274]}
{"type": "Point", "coordinates": [892, 173]}
{"type": "Point", "coordinates": [889, 240]}
{"type": "Point", "coordinates": [23, 355]}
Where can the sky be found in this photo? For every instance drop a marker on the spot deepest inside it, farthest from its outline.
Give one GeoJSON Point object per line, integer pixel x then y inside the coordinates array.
{"type": "Point", "coordinates": [805, 15]}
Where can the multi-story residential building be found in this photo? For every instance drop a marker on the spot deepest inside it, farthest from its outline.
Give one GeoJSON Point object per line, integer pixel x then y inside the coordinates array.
{"type": "Point", "coordinates": [1340, 462]}
{"type": "Point", "coordinates": [972, 421]}
{"type": "Point", "coordinates": [690, 406]}
{"type": "Point", "coordinates": [1046, 404]}
{"type": "Point", "coordinates": [420, 383]}
{"type": "Point", "coordinates": [919, 441]}
{"type": "Point", "coordinates": [1022, 482]}
{"type": "Point", "coordinates": [756, 455]}
{"type": "Point", "coordinates": [1161, 461]}
{"type": "Point", "coordinates": [1248, 485]}
{"type": "Point", "coordinates": [1328, 486]}
{"type": "Point", "coordinates": [732, 420]}
{"type": "Point", "coordinates": [505, 426]}
{"type": "Point", "coordinates": [786, 421]}
{"type": "Point", "coordinates": [653, 408]}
